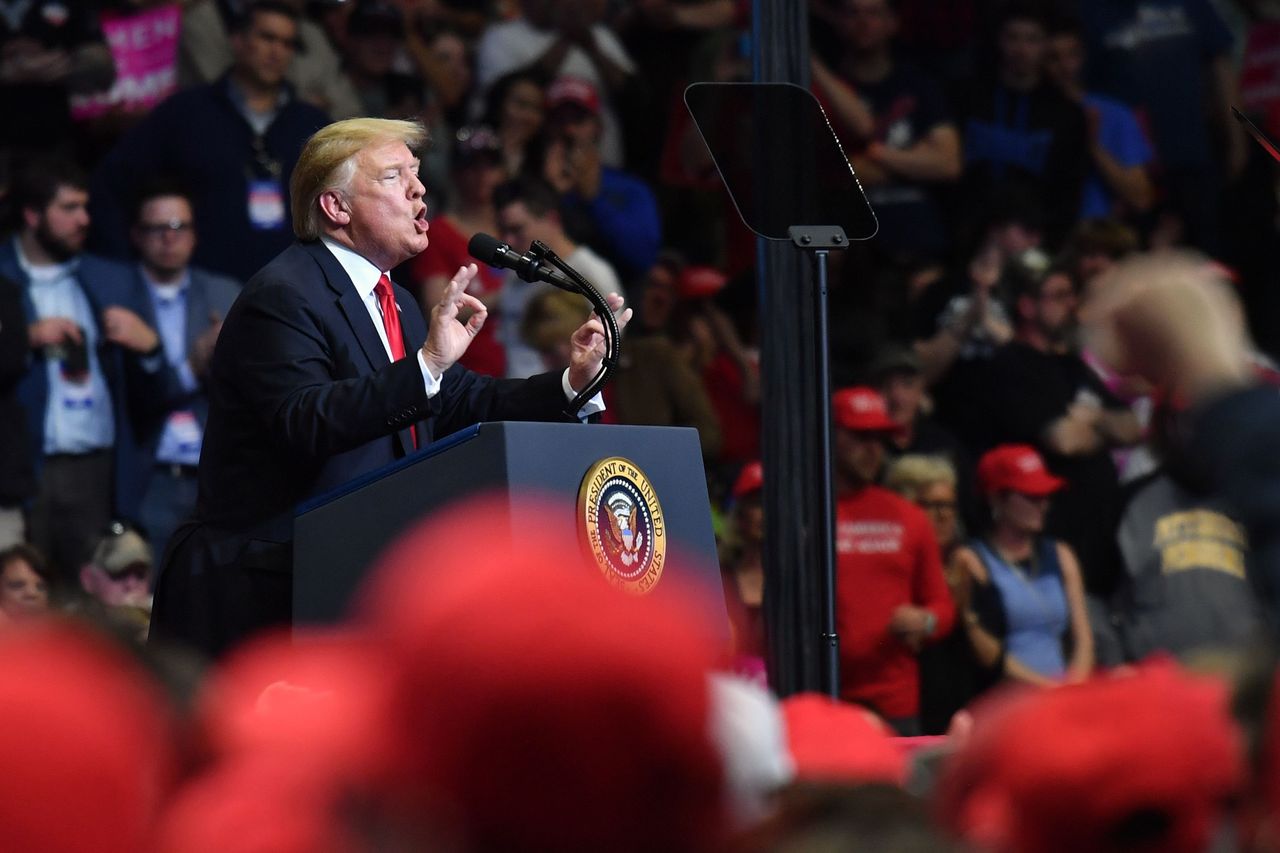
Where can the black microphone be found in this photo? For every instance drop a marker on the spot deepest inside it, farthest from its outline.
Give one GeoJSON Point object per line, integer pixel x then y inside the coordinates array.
{"type": "Point", "coordinates": [487, 248]}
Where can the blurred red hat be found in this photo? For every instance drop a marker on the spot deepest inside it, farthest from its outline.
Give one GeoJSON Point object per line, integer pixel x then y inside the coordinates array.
{"type": "Point", "coordinates": [750, 479]}
{"type": "Point", "coordinates": [1016, 468]}
{"type": "Point", "coordinates": [834, 741]}
{"type": "Point", "coordinates": [1261, 812]}
{"type": "Point", "coordinates": [256, 804]}
{"type": "Point", "coordinates": [862, 409]}
{"type": "Point", "coordinates": [1136, 762]}
{"type": "Point", "coordinates": [317, 698]}
{"type": "Point", "coordinates": [86, 743]}
{"type": "Point", "coordinates": [700, 282]}
{"type": "Point", "coordinates": [573, 90]}
{"type": "Point", "coordinates": [541, 708]}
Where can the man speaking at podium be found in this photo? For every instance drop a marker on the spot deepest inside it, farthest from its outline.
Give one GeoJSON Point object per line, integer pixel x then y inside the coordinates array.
{"type": "Point", "coordinates": [320, 377]}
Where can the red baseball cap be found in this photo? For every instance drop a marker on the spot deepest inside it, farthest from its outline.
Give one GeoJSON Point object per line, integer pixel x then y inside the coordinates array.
{"type": "Point", "coordinates": [86, 742]}
{"type": "Point", "coordinates": [315, 697]}
{"type": "Point", "coordinates": [573, 90]}
{"type": "Point", "coordinates": [256, 803]}
{"type": "Point", "coordinates": [1016, 468]}
{"type": "Point", "coordinates": [832, 741]}
{"type": "Point", "coordinates": [862, 409]}
{"type": "Point", "coordinates": [750, 479]}
{"type": "Point", "coordinates": [1141, 761]}
{"type": "Point", "coordinates": [699, 282]}
{"type": "Point", "coordinates": [538, 706]}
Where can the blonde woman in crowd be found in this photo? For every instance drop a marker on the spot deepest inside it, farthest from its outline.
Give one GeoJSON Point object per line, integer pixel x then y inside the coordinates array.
{"type": "Point", "coordinates": [946, 667]}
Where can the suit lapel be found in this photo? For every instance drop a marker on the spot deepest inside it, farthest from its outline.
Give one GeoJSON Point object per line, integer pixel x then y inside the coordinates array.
{"type": "Point", "coordinates": [353, 308]}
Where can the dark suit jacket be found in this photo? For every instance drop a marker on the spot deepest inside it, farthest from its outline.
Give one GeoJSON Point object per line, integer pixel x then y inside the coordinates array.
{"type": "Point", "coordinates": [17, 471]}
{"type": "Point", "coordinates": [140, 387]}
{"type": "Point", "coordinates": [302, 399]}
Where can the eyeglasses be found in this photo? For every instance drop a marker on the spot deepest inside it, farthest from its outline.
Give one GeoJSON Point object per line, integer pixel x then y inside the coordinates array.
{"type": "Point", "coordinates": [155, 229]}
{"type": "Point", "coordinates": [938, 506]}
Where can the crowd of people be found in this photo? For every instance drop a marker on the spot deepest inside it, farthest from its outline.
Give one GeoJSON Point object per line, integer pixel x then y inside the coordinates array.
{"type": "Point", "coordinates": [1027, 496]}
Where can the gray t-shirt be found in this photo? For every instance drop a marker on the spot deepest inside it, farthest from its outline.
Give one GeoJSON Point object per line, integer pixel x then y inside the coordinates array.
{"type": "Point", "coordinates": [1185, 561]}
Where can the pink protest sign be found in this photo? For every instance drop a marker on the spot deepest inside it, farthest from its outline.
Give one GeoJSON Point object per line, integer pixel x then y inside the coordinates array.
{"type": "Point", "coordinates": [145, 48]}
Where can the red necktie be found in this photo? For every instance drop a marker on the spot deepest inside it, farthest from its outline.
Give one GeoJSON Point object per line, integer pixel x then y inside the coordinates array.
{"type": "Point", "coordinates": [391, 322]}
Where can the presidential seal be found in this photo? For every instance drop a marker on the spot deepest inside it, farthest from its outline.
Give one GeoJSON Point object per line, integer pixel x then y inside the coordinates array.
{"type": "Point", "coordinates": [621, 524]}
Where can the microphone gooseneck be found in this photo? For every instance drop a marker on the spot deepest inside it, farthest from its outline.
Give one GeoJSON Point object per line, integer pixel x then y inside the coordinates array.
{"type": "Point", "coordinates": [530, 267]}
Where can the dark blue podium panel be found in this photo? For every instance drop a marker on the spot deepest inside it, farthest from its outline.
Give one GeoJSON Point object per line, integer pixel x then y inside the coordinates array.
{"type": "Point", "coordinates": [340, 535]}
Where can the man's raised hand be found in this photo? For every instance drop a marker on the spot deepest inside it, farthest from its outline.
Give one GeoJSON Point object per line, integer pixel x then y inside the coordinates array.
{"type": "Point", "coordinates": [586, 344]}
{"type": "Point", "coordinates": [447, 338]}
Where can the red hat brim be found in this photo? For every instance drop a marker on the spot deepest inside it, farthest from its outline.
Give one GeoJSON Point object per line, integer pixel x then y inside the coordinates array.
{"type": "Point", "coordinates": [868, 423]}
{"type": "Point", "coordinates": [1038, 485]}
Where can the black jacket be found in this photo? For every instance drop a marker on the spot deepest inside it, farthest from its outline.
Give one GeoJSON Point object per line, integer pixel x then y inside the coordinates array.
{"type": "Point", "coordinates": [17, 472]}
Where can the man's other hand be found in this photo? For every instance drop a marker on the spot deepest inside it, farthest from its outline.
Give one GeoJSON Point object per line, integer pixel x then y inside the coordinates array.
{"type": "Point", "coordinates": [912, 625]}
{"type": "Point", "coordinates": [127, 329]}
{"type": "Point", "coordinates": [587, 343]}
{"type": "Point", "coordinates": [202, 348]}
{"type": "Point", "coordinates": [52, 331]}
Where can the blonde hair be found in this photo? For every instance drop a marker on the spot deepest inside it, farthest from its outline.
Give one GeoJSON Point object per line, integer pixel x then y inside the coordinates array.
{"type": "Point", "coordinates": [913, 473]}
{"type": "Point", "coordinates": [551, 317]}
{"type": "Point", "coordinates": [327, 162]}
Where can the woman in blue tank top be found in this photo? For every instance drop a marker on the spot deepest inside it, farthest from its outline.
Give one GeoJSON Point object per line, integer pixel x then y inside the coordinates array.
{"type": "Point", "coordinates": [1027, 599]}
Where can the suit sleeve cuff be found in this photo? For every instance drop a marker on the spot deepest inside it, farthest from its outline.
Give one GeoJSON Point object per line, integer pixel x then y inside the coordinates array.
{"type": "Point", "coordinates": [594, 406]}
{"type": "Point", "coordinates": [432, 383]}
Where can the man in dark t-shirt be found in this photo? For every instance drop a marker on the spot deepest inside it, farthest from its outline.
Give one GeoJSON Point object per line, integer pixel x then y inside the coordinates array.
{"type": "Point", "coordinates": [894, 123]}
{"type": "Point", "coordinates": [1019, 130]}
{"type": "Point", "coordinates": [1041, 393]}
{"type": "Point", "coordinates": [1170, 60]}
{"type": "Point", "coordinates": [49, 49]}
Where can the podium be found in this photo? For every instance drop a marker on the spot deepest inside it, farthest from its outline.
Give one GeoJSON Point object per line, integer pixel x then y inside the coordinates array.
{"type": "Point", "coordinates": [656, 478]}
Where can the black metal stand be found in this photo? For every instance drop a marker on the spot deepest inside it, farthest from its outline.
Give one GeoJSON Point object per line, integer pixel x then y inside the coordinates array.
{"type": "Point", "coordinates": [612, 337]}
{"type": "Point", "coordinates": [819, 240]}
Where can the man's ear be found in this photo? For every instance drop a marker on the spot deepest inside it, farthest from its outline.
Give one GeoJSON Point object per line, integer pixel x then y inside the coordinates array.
{"type": "Point", "coordinates": [334, 207]}
{"type": "Point", "coordinates": [31, 218]}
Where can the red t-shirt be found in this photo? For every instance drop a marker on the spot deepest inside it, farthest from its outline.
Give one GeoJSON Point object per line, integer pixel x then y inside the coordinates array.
{"type": "Point", "coordinates": [448, 251]}
{"type": "Point", "coordinates": [739, 420]}
{"type": "Point", "coordinates": [886, 555]}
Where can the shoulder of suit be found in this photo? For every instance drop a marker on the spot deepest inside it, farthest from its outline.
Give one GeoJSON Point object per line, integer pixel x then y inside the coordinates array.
{"type": "Point", "coordinates": [309, 115]}
{"type": "Point", "coordinates": [215, 284]}
{"type": "Point", "coordinates": [295, 269]}
{"type": "Point", "coordinates": [97, 270]}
